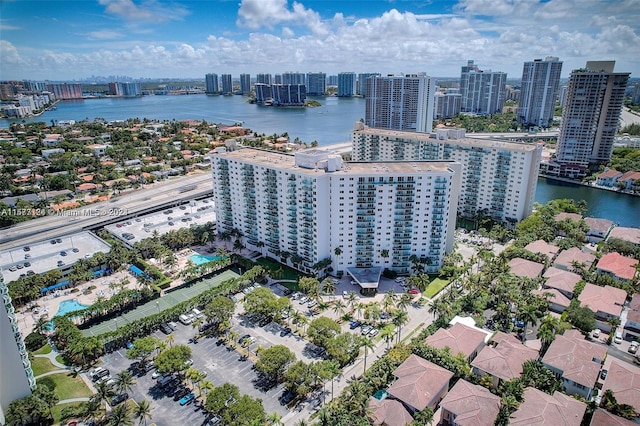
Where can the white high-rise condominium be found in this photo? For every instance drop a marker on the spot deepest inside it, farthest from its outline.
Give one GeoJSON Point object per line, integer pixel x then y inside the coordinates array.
{"type": "Point", "coordinates": [16, 376]}
{"type": "Point", "coordinates": [211, 84]}
{"type": "Point", "coordinates": [590, 115]}
{"type": "Point", "coordinates": [264, 78]}
{"type": "Point", "coordinates": [483, 92]}
{"type": "Point", "coordinates": [362, 82]}
{"type": "Point", "coordinates": [245, 84]}
{"type": "Point", "coordinates": [312, 208]}
{"type": "Point", "coordinates": [498, 178]}
{"type": "Point", "coordinates": [346, 84]}
{"type": "Point", "coordinates": [538, 92]}
{"type": "Point", "coordinates": [227, 84]}
{"type": "Point", "coordinates": [400, 103]}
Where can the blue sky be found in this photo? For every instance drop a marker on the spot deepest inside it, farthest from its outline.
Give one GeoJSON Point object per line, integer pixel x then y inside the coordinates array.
{"type": "Point", "coordinates": [65, 40]}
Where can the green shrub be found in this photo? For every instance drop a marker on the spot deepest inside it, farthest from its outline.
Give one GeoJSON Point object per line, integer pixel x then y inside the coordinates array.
{"type": "Point", "coordinates": [48, 382]}
{"type": "Point", "coordinates": [35, 341]}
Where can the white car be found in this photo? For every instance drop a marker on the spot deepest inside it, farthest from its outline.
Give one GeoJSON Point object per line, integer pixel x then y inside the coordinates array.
{"type": "Point", "coordinates": [618, 338]}
{"type": "Point", "coordinates": [345, 293]}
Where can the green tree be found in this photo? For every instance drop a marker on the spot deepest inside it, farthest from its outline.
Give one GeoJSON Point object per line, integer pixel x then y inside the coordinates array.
{"type": "Point", "coordinates": [244, 411]}
{"type": "Point", "coordinates": [143, 348]}
{"type": "Point", "coordinates": [220, 396]}
{"type": "Point", "coordinates": [124, 381]}
{"type": "Point", "coordinates": [173, 359]}
{"type": "Point", "coordinates": [274, 361]}
{"type": "Point", "coordinates": [143, 412]}
{"type": "Point", "coordinates": [298, 378]}
{"type": "Point", "coordinates": [220, 309]}
{"type": "Point", "coordinates": [322, 329]}
{"type": "Point", "coordinates": [120, 416]}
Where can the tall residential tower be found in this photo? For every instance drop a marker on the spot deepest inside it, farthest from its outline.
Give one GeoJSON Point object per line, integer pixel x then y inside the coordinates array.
{"type": "Point", "coordinates": [346, 84]}
{"type": "Point", "coordinates": [590, 115]}
{"type": "Point", "coordinates": [312, 208]}
{"type": "Point", "coordinates": [483, 92]}
{"type": "Point", "coordinates": [538, 92]}
{"type": "Point", "coordinates": [400, 103]}
{"type": "Point", "coordinates": [211, 84]}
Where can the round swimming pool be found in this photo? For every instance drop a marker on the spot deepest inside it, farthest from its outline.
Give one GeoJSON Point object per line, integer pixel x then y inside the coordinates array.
{"type": "Point", "coordinates": [199, 259]}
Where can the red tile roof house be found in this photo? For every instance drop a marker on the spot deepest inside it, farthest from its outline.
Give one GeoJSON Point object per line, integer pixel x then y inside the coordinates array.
{"type": "Point", "coordinates": [467, 404]}
{"type": "Point", "coordinates": [420, 383]}
{"type": "Point", "coordinates": [566, 258]}
{"type": "Point", "coordinates": [558, 302]}
{"type": "Point", "coordinates": [604, 418]}
{"type": "Point", "coordinates": [617, 266]}
{"type": "Point", "coordinates": [543, 247]}
{"type": "Point", "coordinates": [629, 179]}
{"type": "Point", "coordinates": [561, 280]}
{"type": "Point", "coordinates": [631, 235]}
{"type": "Point", "coordinates": [575, 360]}
{"type": "Point", "coordinates": [598, 229]}
{"type": "Point", "coordinates": [503, 360]}
{"type": "Point", "coordinates": [542, 409]}
{"type": "Point", "coordinates": [632, 326]}
{"type": "Point", "coordinates": [461, 339]}
{"type": "Point", "coordinates": [525, 268]}
{"type": "Point", "coordinates": [605, 301]}
{"type": "Point", "coordinates": [624, 381]}
{"type": "Point", "coordinates": [389, 412]}
{"type": "Point", "coordinates": [608, 178]}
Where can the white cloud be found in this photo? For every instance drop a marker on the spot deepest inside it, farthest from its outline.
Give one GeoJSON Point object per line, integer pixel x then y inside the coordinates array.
{"type": "Point", "coordinates": [269, 13]}
{"type": "Point", "coordinates": [151, 10]}
{"type": "Point", "coordinates": [105, 35]}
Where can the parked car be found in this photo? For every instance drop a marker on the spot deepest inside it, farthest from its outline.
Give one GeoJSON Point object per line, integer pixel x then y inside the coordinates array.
{"type": "Point", "coordinates": [633, 348]}
{"type": "Point", "coordinates": [285, 331]}
{"type": "Point", "coordinates": [119, 398]}
{"type": "Point", "coordinates": [165, 328]}
{"type": "Point", "coordinates": [603, 374]}
{"type": "Point", "coordinates": [180, 393]}
{"type": "Point", "coordinates": [354, 324]}
{"type": "Point", "coordinates": [618, 338]}
{"type": "Point", "coordinates": [596, 333]}
{"type": "Point", "coordinates": [187, 399]}
{"type": "Point", "coordinates": [365, 330]}
{"type": "Point", "coordinates": [345, 293]}
{"type": "Point", "coordinates": [373, 332]}
{"type": "Point", "coordinates": [414, 291]}
{"type": "Point", "coordinates": [303, 300]}
{"type": "Point", "coordinates": [312, 303]}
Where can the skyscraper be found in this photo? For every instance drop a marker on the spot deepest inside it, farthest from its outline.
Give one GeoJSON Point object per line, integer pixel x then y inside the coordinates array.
{"type": "Point", "coordinates": [264, 79]}
{"type": "Point", "coordinates": [245, 84]}
{"type": "Point", "coordinates": [227, 84]}
{"type": "Point", "coordinates": [590, 117]}
{"type": "Point", "coordinates": [293, 78]}
{"type": "Point", "coordinates": [483, 92]}
{"type": "Point", "coordinates": [447, 104]}
{"type": "Point", "coordinates": [346, 84]}
{"type": "Point", "coordinates": [538, 92]}
{"type": "Point", "coordinates": [211, 84]}
{"type": "Point", "coordinates": [400, 103]}
{"type": "Point", "coordinates": [378, 214]}
{"type": "Point", "coordinates": [316, 83]}
{"type": "Point", "coordinates": [16, 377]}
{"type": "Point", "coordinates": [362, 82]}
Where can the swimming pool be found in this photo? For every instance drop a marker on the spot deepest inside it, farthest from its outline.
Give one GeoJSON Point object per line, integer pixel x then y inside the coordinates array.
{"type": "Point", "coordinates": [199, 259]}
{"type": "Point", "coordinates": [67, 306]}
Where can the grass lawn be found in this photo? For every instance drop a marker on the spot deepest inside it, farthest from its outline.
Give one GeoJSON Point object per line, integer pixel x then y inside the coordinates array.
{"type": "Point", "coordinates": [434, 288]}
{"type": "Point", "coordinates": [57, 411]}
{"type": "Point", "coordinates": [60, 359]}
{"type": "Point", "coordinates": [43, 350]}
{"type": "Point", "coordinates": [68, 386]}
{"type": "Point", "coordinates": [278, 271]}
{"type": "Point", "coordinates": [41, 365]}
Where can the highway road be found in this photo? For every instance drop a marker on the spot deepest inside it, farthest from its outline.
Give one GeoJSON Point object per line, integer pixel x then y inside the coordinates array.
{"type": "Point", "coordinates": [127, 205]}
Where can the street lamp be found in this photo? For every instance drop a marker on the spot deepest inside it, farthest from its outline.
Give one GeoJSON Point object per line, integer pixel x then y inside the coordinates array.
{"type": "Point", "coordinates": [116, 320]}
{"type": "Point", "coordinates": [158, 305]}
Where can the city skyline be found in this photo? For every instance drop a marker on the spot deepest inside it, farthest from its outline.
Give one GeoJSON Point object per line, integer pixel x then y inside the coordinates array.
{"type": "Point", "coordinates": [188, 39]}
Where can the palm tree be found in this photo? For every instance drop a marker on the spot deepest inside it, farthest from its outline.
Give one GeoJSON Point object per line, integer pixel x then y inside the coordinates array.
{"type": "Point", "coordinates": [366, 343]}
{"type": "Point", "coordinates": [329, 287]}
{"type": "Point", "coordinates": [339, 307]}
{"type": "Point", "coordinates": [120, 416]}
{"type": "Point", "coordinates": [352, 299]}
{"type": "Point", "coordinates": [170, 339]}
{"type": "Point", "coordinates": [205, 386]}
{"type": "Point", "coordinates": [400, 318]}
{"type": "Point", "coordinates": [528, 314]}
{"type": "Point", "coordinates": [274, 419]}
{"type": "Point", "coordinates": [104, 392]}
{"type": "Point", "coordinates": [143, 412]}
{"type": "Point", "coordinates": [124, 381]}
{"type": "Point", "coordinates": [387, 334]}
{"type": "Point", "coordinates": [405, 301]}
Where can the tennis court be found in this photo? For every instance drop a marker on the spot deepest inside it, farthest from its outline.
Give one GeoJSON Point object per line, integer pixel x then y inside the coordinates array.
{"type": "Point", "coordinates": [169, 300]}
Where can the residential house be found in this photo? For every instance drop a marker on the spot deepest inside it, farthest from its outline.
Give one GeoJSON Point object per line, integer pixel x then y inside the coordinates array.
{"type": "Point", "coordinates": [617, 266]}
{"type": "Point", "coordinates": [389, 412]}
{"type": "Point", "coordinates": [567, 258]}
{"type": "Point", "coordinates": [503, 358]}
{"type": "Point", "coordinates": [467, 404]}
{"type": "Point", "coordinates": [630, 180]}
{"type": "Point", "coordinates": [46, 153]}
{"type": "Point", "coordinates": [525, 268]}
{"type": "Point", "coordinates": [87, 187]}
{"type": "Point", "coordinates": [632, 325]}
{"type": "Point", "coordinates": [97, 149]}
{"type": "Point", "coordinates": [576, 361]}
{"type": "Point", "coordinates": [624, 381]}
{"type": "Point", "coordinates": [598, 229]}
{"type": "Point", "coordinates": [604, 418]}
{"type": "Point", "coordinates": [460, 338]}
{"type": "Point", "coordinates": [631, 235]}
{"type": "Point", "coordinates": [606, 302]}
{"type": "Point", "coordinates": [562, 216]}
{"type": "Point", "coordinates": [420, 383]}
{"type": "Point", "coordinates": [561, 280]}
{"type": "Point", "coordinates": [608, 178]}
{"type": "Point", "coordinates": [542, 409]}
{"type": "Point", "coordinates": [558, 302]}
{"type": "Point", "coordinates": [543, 247]}
{"type": "Point", "coordinates": [52, 139]}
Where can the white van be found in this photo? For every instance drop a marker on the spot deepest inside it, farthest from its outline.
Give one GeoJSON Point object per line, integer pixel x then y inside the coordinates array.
{"type": "Point", "coordinates": [185, 319]}
{"type": "Point", "coordinates": [618, 338]}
